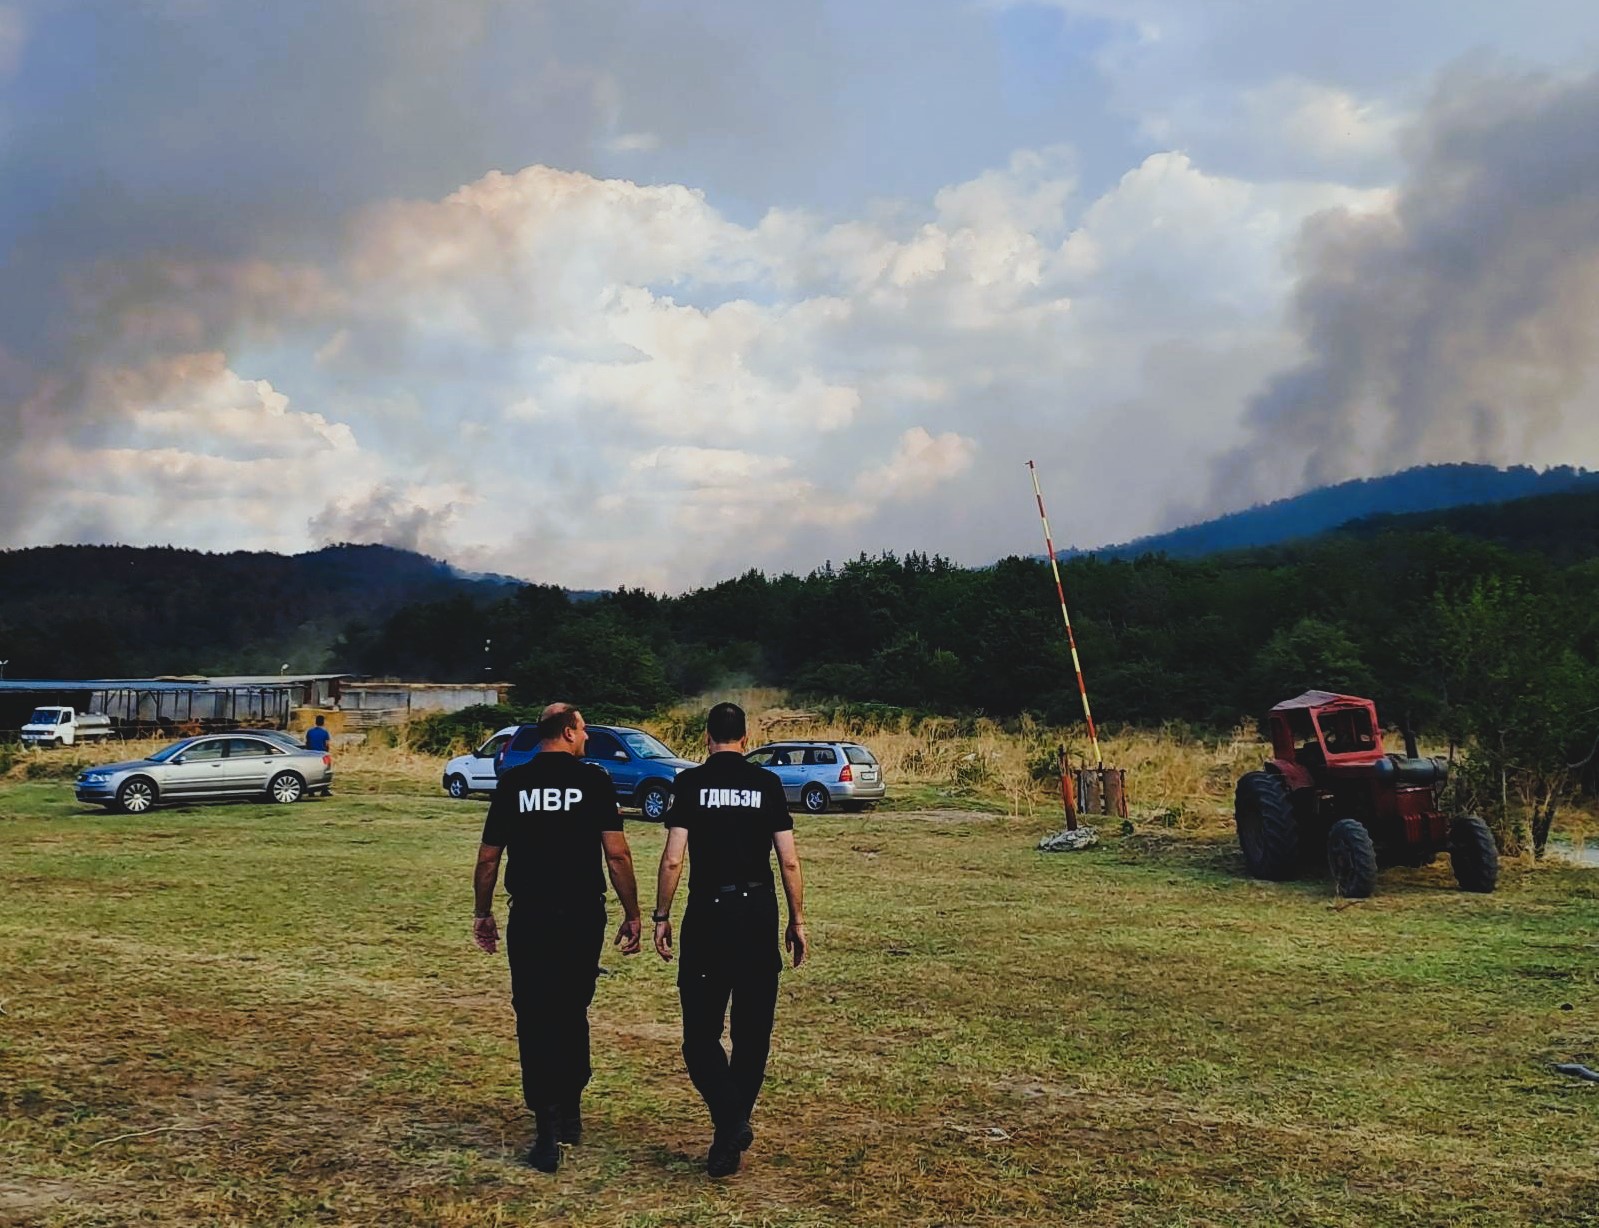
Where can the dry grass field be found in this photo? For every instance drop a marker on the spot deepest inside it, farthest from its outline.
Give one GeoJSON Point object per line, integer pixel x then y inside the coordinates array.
{"type": "Point", "coordinates": [247, 1014]}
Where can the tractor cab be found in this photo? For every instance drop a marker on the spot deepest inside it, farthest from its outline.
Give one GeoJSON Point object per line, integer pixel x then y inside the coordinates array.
{"type": "Point", "coordinates": [1320, 729]}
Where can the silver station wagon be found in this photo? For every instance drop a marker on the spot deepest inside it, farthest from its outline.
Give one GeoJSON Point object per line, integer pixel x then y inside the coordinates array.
{"type": "Point", "coordinates": [817, 775]}
{"type": "Point", "coordinates": [253, 765]}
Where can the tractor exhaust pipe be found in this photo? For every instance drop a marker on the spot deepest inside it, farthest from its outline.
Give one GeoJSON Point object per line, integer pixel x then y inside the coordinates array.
{"type": "Point", "coordinates": [1410, 740]}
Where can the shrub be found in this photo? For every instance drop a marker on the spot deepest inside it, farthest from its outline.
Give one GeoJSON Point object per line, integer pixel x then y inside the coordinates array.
{"type": "Point", "coordinates": [451, 733]}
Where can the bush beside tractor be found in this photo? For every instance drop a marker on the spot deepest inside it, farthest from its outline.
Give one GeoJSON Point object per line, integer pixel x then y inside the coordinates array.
{"type": "Point", "coordinates": [1331, 788]}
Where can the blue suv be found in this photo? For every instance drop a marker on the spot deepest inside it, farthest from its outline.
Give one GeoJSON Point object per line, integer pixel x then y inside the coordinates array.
{"type": "Point", "coordinates": [641, 767]}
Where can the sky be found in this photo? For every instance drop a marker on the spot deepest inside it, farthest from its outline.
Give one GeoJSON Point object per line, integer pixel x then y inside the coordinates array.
{"type": "Point", "coordinates": [652, 292]}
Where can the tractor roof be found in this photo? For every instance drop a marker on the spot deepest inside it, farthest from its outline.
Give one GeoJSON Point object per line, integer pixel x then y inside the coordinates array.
{"type": "Point", "coordinates": [1322, 699]}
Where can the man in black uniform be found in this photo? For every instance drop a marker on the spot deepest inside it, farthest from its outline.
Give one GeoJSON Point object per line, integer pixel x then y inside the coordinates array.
{"type": "Point", "coordinates": [557, 814]}
{"type": "Point", "coordinates": [729, 815]}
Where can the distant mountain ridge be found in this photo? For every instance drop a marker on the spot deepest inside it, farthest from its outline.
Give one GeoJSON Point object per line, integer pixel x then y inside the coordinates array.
{"type": "Point", "coordinates": [1427, 488]}
{"type": "Point", "coordinates": [85, 611]}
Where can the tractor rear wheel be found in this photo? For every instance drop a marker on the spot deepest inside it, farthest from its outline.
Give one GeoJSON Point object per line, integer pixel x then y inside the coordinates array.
{"type": "Point", "coordinates": [1268, 832]}
{"type": "Point", "coordinates": [1352, 858]}
{"type": "Point", "coordinates": [1473, 855]}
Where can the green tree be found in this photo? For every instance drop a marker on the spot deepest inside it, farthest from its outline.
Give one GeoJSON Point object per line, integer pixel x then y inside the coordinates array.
{"type": "Point", "coordinates": [1521, 697]}
{"type": "Point", "coordinates": [1310, 655]}
{"type": "Point", "coordinates": [596, 663]}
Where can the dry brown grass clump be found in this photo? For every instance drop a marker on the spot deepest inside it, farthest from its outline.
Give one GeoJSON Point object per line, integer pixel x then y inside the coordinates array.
{"type": "Point", "coordinates": [1184, 778]}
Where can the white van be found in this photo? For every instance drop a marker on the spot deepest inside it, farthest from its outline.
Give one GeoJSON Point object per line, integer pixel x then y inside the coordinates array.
{"type": "Point", "coordinates": [51, 726]}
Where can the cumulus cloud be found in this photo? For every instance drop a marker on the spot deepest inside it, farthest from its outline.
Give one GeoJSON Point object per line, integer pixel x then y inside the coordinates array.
{"type": "Point", "coordinates": [595, 295]}
{"type": "Point", "coordinates": [592, 358]}
{"type": "Point", "coordinates": [921, 463]}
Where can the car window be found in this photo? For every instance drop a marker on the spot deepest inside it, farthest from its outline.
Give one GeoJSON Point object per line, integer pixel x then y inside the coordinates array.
{"type": "Point", "coordinates": [858, 754]}
{"type": "Point", "coordinates": [251, 748]}
{"type": "Point", "coordinates": [207, 750]}
{"type": "Point", "coordinates": [601, 745]}
{"type": "Point", "coordinates": [646, 747]}
{"type": "Point", "coordinates": [787, 756]}
{"type": "Point", "coordinates": [762, 757]}
{"type": "Point", "coordinates": [525, 738]}
{"type": "Point", "coordinates": [819, 755]}
{"type": "Point", "coordinates": [492, 747]}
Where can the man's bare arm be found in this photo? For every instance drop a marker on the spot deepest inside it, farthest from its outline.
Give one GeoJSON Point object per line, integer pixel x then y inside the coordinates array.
{"type": "Point", "coordinates": [484, 879]}
{"type": "Point", "coordinates": [788, 865]}
{"type": "Point", "coordinates": [619, 861]}
{"type": "Point", "coordinates": [666, 880]}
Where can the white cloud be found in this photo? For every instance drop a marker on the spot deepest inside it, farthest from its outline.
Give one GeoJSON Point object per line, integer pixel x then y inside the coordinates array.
{"type": "Point", "coordinates": [192, 401]}
{"type": "Point", "coordinates": [593, 381]}
{"type": "Point", "coordinates": [708, 467]}
{"type": "Point", "coordinates": [921, 463]}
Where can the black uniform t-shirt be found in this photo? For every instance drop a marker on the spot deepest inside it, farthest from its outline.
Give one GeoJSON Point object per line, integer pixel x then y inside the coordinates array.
{"type": "Point", "coordinates": [730, 809]}
{"type": "Point", "coordinates": [548, 814]}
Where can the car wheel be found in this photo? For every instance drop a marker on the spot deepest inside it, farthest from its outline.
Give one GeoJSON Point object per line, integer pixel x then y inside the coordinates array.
{"type": "Point", "coordinates": [136, 795]}
{"type": "Point", "coordinates": [456, 787]}
{"type": "Point", "coordinates": [286, 788]}
{"type": "Point", "coordinates": [654, 802]}
{"type": "Point", "coordinates": [814, 799]}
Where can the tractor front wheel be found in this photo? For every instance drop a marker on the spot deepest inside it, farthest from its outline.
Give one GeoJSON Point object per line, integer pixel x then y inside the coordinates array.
{"type": "Point", "coordinates": [1473, 855]}
{"type": "Point", "coordinates": [1352, 858]}
{"type": "Point", "coordinates": [1268, 832]}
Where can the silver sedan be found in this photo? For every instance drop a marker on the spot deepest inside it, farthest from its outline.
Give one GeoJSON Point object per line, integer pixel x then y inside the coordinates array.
{"type": "Point", "coordinates": [211, 766]}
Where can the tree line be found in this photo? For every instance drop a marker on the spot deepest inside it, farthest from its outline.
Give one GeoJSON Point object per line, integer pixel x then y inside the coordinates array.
{"type": "Point", "coordinates": [1488, 638]}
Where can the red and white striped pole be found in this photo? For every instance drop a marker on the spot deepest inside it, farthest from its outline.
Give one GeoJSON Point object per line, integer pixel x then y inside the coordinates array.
{"type": "Point", "coordinates": [1071, 639]}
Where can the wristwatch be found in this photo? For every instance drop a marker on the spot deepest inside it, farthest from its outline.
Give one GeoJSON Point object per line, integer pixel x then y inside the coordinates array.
{"type": "Point", "coordinates": [658, 918]}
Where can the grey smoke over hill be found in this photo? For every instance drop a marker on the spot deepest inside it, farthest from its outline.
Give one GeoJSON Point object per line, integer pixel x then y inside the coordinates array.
{"type": "Point", "coordinates": [1460, 325]}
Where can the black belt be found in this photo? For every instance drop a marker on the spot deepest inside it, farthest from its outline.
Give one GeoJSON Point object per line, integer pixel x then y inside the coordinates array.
{"type": "Point", "coordinates": [742, 888]}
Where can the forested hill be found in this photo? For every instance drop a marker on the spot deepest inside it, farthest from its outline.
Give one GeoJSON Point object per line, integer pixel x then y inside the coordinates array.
{"type": "Point", "coordinates": [1402, 610]}
{"type": "Point", "coordinates": [94, 611]}
{"type": "Point", "coordinates": [1424, 489]}
{"type": "Point", "coordinates": [1399, 607]}
{"type": "Point", "coordinates": [1561, 528]}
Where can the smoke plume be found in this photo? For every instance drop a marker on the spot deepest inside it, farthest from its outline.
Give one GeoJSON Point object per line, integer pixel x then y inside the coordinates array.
{"type": "Point", "coordinates": [1461, 323]}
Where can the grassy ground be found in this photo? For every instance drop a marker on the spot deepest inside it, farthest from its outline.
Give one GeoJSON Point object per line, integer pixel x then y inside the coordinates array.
{"type": "Point", "coordinates": [247, 1014]}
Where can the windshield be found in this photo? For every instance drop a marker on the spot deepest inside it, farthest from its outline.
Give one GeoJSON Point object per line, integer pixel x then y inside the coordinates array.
{"type": "Point", "coordinates": [646, 747]}
{"type": "Point", "coordinates": [47, 716]}
{"type": "Point", "coordinates": [166, 752]}
{"type": "Point", "coordinates": [1346, 731]}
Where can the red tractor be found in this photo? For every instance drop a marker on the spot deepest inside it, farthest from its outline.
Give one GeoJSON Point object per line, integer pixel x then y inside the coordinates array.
{"type": "Point", "coordinates": [1329, 782]}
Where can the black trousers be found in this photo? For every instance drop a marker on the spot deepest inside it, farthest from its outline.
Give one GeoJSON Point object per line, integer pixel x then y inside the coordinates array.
{"type": "Point", "coordinates": [555, 958]}
{"type": "Point", "coordinates": [730, 963]}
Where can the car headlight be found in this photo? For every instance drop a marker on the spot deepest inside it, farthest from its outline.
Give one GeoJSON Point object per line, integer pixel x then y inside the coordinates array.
{"type": "Point", "coordinates": [95, 778]}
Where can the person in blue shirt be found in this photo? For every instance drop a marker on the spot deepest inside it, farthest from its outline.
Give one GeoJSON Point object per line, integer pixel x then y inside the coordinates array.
{"type": "Point", "coordinates": [317, 737]}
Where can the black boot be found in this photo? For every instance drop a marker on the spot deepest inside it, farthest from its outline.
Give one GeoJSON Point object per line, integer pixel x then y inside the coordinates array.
{"type": "Point", "coordinates": [741, 1135]}
{"type": "Point", "coordinates": [725, 1154]}
{"type": "Point", "coordinates": [569, 1125]}
{"type": "Point", "coordinates": [545, 1154]}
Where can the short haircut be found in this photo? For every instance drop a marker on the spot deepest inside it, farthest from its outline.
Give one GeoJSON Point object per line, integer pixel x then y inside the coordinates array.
{"type": "Point", "coordinates": [725, 723]}
{"type": "Point", "coordinates": [552, 725]}
{"type": "Point", "coordinates": [321, 720]}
